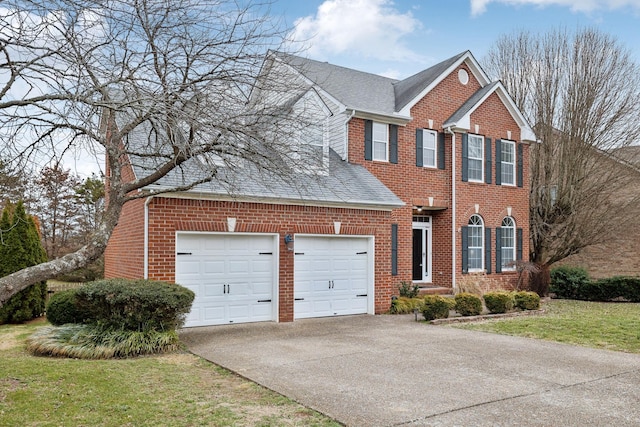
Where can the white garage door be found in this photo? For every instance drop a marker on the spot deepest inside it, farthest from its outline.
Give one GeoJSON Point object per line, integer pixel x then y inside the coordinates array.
{"type": "Point", "coordinates": [232, 275]}
{"type": "Point", "coordinates": [331, 276]}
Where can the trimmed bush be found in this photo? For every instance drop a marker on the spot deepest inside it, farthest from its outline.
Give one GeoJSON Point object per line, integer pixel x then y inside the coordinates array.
{"type": "Point", "coordinates": [617, 288]}
{"type": "Point", "coordinates": [566, 281]}
{"type": "Point", "coordinates": [498, 302]}
{"type": "Point", "coordinates": [526, 300]}
{"type": "Point", "coordinates": [62, 308]}
{"type": "Point", "coordinates": [435, 307]}
{"type": "Point", "coordinates": [468, 304]}
{"type": "Point", "coordinates": [135, 305]}
{"type": "Point", "coordinates": [404, 305]}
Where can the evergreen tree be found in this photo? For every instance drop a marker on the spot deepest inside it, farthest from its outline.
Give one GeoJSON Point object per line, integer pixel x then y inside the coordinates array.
{"type": "Point", "coordinates": [21, 248]}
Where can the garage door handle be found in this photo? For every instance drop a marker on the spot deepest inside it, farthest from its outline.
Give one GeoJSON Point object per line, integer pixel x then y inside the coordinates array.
{"type": "Point", "coordinates": [265, 253]}
{"type": "Point", "coordinates": [185, 253]}
{"type": "Point", "coordinates": [362, 295]}
{"type": "Point", "coordinates": [361, 253]}
{"type": "Point", "coordinates": [264, 300]}
{"type": "Point", "coordinates": [298, 299]}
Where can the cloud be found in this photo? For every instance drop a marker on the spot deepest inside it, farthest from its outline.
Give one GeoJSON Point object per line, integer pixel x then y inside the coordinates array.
{"type": "Point", "coordinates": [478, 7]}
{"type": "Point", "coordinates": [368, 28]}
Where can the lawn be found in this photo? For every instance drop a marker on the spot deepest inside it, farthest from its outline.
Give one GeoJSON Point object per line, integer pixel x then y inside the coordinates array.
{"type": "Point", "coordinates": [612, 326]}
{"type": "Point", "coordinates": [177, 389]}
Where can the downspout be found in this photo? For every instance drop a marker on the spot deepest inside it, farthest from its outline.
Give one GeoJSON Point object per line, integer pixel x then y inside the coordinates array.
{"type": "Point", "coordinates": [146, 237]}
{"type": "Point", "coordinates": [346, 135]}
{"type": "Point", "coordinates": [453, 207]}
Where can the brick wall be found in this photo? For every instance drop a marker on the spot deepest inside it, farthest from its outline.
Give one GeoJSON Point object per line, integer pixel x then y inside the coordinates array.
{"type": "Point", "coordinates": [414, 185]}
{"type": "Point", "coordinates": [169, 215]}
{"type": "Point", "coordinates": [124, 256]}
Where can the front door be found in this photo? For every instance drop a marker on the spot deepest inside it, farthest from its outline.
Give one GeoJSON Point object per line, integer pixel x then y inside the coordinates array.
{"type": "Point", "coordinates": [422, 249]}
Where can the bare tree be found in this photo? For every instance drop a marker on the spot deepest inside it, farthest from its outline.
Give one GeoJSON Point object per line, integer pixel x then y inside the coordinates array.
{"type": "Point", "coordinates": [581, 92]}
{"type": "Point", "coordinates": [153, 84]}
{"type": "Point", "coordinates": [89, 201]}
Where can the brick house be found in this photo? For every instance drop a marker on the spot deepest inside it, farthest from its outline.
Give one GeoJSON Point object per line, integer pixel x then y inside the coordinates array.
{"type": "Point", "coordinates": [423, 180]}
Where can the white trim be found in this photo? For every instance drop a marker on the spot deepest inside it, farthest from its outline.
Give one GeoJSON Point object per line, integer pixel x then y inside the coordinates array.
{"type": "Point", "coordinates": [515, 243]}
{"type": "Point", "coordinates": [276, 261]}
{"type": "Point", "coordinates": [435, 148]}
{"type": "Point", "coordinates": [482, 159]}
{"type": "Point", "coordinates": [386, 142]}
{"type": "Point", "coordinates": [394, 119]}
{"type": "Point", "coordinates": [427, 246]}
{"type": "Point", "coordinates": [145, 263]}
{"type": "Point", "coordinates": [514, 164]}
{"type": "Point", "coordinates": [483, 262]}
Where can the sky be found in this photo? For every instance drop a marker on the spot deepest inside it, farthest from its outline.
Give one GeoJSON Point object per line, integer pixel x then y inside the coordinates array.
{"type": "Point", "coordinates": [398, 38]}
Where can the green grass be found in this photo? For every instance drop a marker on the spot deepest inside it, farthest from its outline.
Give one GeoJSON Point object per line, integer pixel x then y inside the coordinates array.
{"type": "Point", "coordinates": [176, 389]}
{"type": "Point", "coordinates": [612, 326]}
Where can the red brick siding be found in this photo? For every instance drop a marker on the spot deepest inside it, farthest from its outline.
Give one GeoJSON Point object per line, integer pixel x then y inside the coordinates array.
{"type": "Point", "coordinates": [414, 185]}
{"type": "Point", "coordinates": [124, 256]}
{"type": "Point", "coordinates": [169, 215]}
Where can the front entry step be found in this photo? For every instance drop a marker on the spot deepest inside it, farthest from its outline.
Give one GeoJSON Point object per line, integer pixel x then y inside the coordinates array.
{"type": "Point", "coordinates": [434, 290]}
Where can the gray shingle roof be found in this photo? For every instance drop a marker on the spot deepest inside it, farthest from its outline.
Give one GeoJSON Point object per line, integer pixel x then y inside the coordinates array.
{"type": "Point", "coordinates": [407, 89]}
{"type": "Point", "coordinates": [345, 183]}
{"type": "Point", "coordinates": [470, 104]}
{"type": "Point", "coordinates": [355, 89]}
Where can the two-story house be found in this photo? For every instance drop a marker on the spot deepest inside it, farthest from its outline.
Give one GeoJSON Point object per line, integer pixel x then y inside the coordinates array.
{"type": "Point", "coordinates": [420, 180]}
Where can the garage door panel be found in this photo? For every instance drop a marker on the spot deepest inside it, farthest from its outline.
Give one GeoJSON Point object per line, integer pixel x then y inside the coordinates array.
{"type": "Point", "coordinates": [228, 275]}
{"type": "Point", "coordinates": [329, 274]}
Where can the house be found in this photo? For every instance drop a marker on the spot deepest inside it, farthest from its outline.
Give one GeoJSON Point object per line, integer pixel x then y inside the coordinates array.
{"type": "Point", "coordinates": [421, 180]}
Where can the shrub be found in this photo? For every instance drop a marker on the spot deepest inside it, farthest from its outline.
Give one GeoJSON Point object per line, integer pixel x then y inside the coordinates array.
{"type": "Point", "coordinates": [468, 304]}
{"type": "Point", "coordinates": [435, 307]}
{"type": "Point", "coordinates": [498, 302]}
{"type": "Point", "coordinates": [408, 290]}
{"type": "Point", "coordinates": [566, 281]}
{"type": "Point", "coordinates": [136, 305]}
{"type": "Point", "coordinates": [62, 308]}
{"type": "Point", "coordinates": [404, 305]}
{"type": "Point", "coordinates": [617, 288]}
{"type": "Point", "coordinates": [526, 300]}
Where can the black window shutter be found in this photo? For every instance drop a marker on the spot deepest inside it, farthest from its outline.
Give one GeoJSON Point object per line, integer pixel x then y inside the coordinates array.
{"type": "Point", "coordinates": [465, 157]}
{"type": "Point", "coordinates": [498, 163]}
{"type": "Point", "coordinates": [393, 143]}
{"type": "Point", "coordinates": [498, 250]}
{"type": "Point", "coordinates": [368, 140]}
{"type": "Point", "coordinates": [441, 150]}
{"type": "Point", "coordinates": [519, 244]}
{"type": "Point", "coordinates": [487, 249]}
{"type": "Point", "coordinates": [519, 166]}
{"type": "Point", "coordinates": [487, 156]}
{"type": "Point", "coordinates": [394, 249]}
{"type": "Point", "coordinates": [465, 249]}
{"type": "Point", "coordinates": [419, 154]}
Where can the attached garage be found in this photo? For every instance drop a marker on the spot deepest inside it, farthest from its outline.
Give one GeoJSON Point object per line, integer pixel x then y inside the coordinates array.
{"type": "Point", "coordinates": [234, 276]}
{"type": "Point", "coordinates": [333, 276]}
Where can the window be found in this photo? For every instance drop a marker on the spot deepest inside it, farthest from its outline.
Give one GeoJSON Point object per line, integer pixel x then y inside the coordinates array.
{"type": "Point", "coordinates": [476, 157]}
{"type": "Point", "coordinates": [380, 142]}
{"type": "Point", "coordinates": [429, 148]}
{"type": "Point", "coordinates": [476, 243]}
{"type": "Point", "coordinates": [508, 162]}
{"type": "Point", "coordinates": [508, 244]}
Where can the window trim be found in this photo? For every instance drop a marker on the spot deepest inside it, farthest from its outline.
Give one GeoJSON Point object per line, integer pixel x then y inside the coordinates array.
{"type": "Point", "coordinates": [374, 141]}
{"type": "Point", "coordinates": [435, 148]}
{"type": "Point", "coordinates": [513, 228]}
{"type": "Point", "coordinates": [503, 163]}
{"type": "Point", "coordinates": [471, 226]}
{"type": "Point", "coordinates": [480, 139]}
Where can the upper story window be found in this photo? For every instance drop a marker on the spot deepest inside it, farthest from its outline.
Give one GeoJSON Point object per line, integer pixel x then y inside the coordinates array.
{"type": "Point", "coordinates": [475, 243]}
{"type": "Point", "coordinates": [508, 162]}
{"type": "Point", "coordinates": [380, 138]}
{"type": "Point", "coordinates": [508, 244]}
{"type": "Point", "coordinates": [429, 148]}
{"type": "Point", "coordinates": [475, 158]}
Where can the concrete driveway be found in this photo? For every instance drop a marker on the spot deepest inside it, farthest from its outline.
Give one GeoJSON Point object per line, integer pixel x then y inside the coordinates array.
{"type": "Point", "coordinates": [391, 371]}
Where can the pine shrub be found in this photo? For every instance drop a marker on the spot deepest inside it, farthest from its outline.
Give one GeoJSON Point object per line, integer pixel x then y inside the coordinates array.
{"type": "Point", "coordinates": [468, 304]}
{"type": "Point", "coordinates": [408, 290]}
{"type": "Point", "coordinates": [526, 300]}
{"type": "Point", "coordinates": [498, 302]}
{"type": "Point", "coordinates": [435, 307]}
